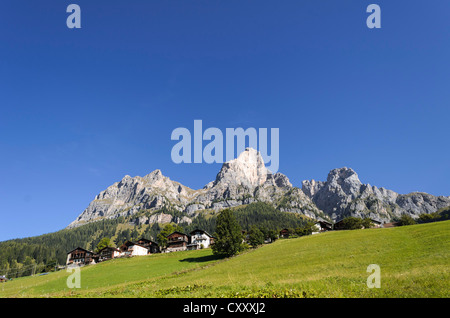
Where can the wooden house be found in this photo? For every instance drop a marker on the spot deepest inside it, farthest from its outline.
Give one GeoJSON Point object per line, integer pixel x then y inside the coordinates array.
{"type": "Point", "coordinates": [124, 248]}
{"type": "Point", "coordinates": [152, 247]}
{"type": "Point", "coordinates": [177, 241]}
{"type": "Point", "coordinates": [3, 279]}
{"type": "Point", "coordinates": [138, 250]}
{"type": "Point", "coordinates": [80, 256]}
{"type": "Point", "coordinates": [339, 225]}
{"type": "Point", "coordinates": [284, 233]}
{"type": "Point", "coordinates": [391, 224]}
{"type": "Point", "coordinates": [200, 239]}
{"type": "Point", "coordinates": [133, 249]}
{"type": "Point", "coordinates": [107, 253]}
{"type": "Point", "coordinates": [376, 223]}
{"type": "Point", "coordinates": [322, 226]}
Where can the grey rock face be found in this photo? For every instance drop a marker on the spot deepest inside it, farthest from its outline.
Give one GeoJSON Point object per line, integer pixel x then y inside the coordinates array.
{"type": "Point", "coordinates": [245, 180]}
{"type": "Point", "coordinates": [131, 195]}
{"type": "Point", "coordinates": [343, 195]}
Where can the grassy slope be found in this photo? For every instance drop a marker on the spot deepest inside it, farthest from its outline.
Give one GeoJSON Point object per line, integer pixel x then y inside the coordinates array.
{"type": "Point", "coordinates": [414, 262]}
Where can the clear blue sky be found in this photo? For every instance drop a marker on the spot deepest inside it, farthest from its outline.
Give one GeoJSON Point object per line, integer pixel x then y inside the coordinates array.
{"type": "Point", "coordinates": [81, 108]}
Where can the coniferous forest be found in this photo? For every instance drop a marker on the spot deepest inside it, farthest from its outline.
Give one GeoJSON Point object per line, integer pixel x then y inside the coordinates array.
{"type": "Point", "coordinates": [34, 255]}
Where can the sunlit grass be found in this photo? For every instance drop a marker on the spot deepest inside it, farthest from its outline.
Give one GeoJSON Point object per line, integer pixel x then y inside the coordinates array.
{"type": "Point", "coordinates": [414, 262]}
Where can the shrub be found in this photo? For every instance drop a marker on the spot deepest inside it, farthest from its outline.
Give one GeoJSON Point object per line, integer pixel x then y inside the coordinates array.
{"type": "Point", "coordinates": [352, 223]}
{"type": "Point", "coordinates": [255, 236]}
{"type": "Point", "coordinates": [406, 220]}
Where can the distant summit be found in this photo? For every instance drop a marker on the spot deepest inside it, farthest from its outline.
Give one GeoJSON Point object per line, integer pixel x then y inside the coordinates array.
{"type": "Point", "coordinates": [247, 170]}
{"type": "Point", "coordinates": [245, 180]}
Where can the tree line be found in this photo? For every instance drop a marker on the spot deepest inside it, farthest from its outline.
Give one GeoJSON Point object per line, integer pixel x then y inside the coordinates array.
{"type": "Point", "coordinates": [34, 255]}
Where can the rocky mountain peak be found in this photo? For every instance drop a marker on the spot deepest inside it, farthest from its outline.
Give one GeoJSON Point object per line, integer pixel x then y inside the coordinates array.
{"type": "Point", "coordinates": [245, 180]}
{"type": "Point", "coordinates": [345, 179]}
{"type": "Point", "coordinates": [247, 169]}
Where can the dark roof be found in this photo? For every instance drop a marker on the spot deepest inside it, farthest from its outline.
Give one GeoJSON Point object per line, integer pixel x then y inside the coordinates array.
{"type": "Point", "coordinates": [147, 241]}
{"type": "Point", "coordinates": [323, 221]}
{"type": "Point", "coordinates": [80, 248]}
{"type": "Point", "coordinates": [128, 243]}
{"type": "Point", "coordinates": [390, 224]}
{"type": "Point", "coordinates": [178, 233]}
{"type": "Point", "coordinates": [139, 245]}
{"type": "Point", "coordinates": [198, 230]}
{"type": "Point", "coordinates": [110, 247]}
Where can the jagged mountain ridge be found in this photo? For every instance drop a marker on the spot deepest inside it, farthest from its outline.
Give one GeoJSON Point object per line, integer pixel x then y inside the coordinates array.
{"type": "Point", "coordinates": [343, 194]}
{"type": "Point", "coordinates": [245, 180]}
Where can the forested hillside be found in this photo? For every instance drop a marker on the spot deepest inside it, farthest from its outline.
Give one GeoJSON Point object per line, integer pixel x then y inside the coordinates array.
{"type": "Point", "coordinates": [22, 257]}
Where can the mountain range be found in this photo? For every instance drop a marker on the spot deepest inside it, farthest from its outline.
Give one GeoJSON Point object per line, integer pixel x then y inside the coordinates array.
{"type": "Point", "coordinates": [245, 180]}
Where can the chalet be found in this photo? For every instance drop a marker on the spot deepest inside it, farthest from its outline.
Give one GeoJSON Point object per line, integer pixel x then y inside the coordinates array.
{"type": "Point", "coordinates": [133, 249]}
{"type": "Point", "coordinates": [339, 225]}
{"type": "Point", "coordinates": [124, 248]}
{"type": "Point", "coordinates": [80, 256]}
{"type": "Point", "coordinates": [107, 253]}
{"type": "Point", "coordinates": [177, 241]}
{"type": "Point", "coordinates": [391, 224]}
{"type": "Point", "coordinates": [137, 250]}
{"type": "Point", "coordinates": [199, 238]}
{"type": "Point", "coordinates": [376, 223]}
{"type": "Point", "coordinates": [152, 247]}
{"type": "Point", "coordinates": [322, 226]}
{"type": "Point", "coordinates": [284, 233]}
{"type": "Point", "coordinates": [3, 279]}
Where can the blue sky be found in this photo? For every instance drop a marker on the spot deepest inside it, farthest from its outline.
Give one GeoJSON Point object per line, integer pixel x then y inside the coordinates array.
{"type": "Point", "coordinates": [81, 108]}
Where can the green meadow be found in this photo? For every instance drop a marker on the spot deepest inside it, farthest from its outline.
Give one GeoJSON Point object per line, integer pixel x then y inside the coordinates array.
{"type": "Point", "coordinates": [414, 262]}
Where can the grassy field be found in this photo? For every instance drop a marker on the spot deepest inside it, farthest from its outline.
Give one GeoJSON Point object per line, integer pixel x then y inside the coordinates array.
{"type": "Point", "coordinates": [414, 262]}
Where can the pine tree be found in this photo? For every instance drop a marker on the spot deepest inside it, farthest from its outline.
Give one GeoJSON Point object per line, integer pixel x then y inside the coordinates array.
{"type": "Point", "coordinates": [228, 235]}
{"type": "Point", "coordinates": [167, 230]}
{"type": "Point", "coordinates": [255, 236]}
{"type": "Point", "coordinates": [104, 242]}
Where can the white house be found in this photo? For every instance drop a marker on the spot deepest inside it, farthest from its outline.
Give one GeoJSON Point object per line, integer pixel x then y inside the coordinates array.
{"type": "Point", "coordinates": [137, 250]}
{"type": "Point", "coordinates": [133, 249]}
{"type": "Point", "coordinates": [200, 237]}
{"type": "Point", "coordinates": [322, 226]}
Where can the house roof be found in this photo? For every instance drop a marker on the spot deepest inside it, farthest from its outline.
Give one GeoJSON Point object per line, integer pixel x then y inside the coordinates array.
{"type": "Point", "coordinates": [80, 248]}
{"type": "Point", "coordinates": [110, 247]}
{"type": "Point", "coordinates": [129, 244]}
{"type": "Point", "coordinates": [147, 241]}
{"type": "Point", "coordinates": [136, 244]}
{"type": "Point", "coordinates": [373, 220]}
{"type": "Point", "coordinates": [198, 230]}
{"type": "Point", "coordinates": [176, 232]}
{"type": "Point", "coordinates": [323, 221]}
